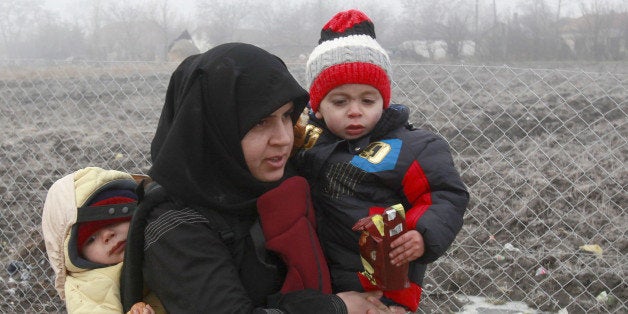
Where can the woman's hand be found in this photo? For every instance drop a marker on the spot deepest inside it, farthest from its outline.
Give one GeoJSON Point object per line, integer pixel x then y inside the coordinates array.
{"type": "Point", "coordinates": [363, 302]}
{"type": "Point", "coordinates": [407, 248]}
{"type": "Point", "coordinates": [367, 302]}
{"type": "Point", "coordinates": [398, 310]}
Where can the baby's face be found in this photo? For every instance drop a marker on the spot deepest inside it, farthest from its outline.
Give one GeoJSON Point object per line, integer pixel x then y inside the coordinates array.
{"type": "Point", "coordinates": [106, 246]}
{"type": "Point", "coordinates": [352, 110]}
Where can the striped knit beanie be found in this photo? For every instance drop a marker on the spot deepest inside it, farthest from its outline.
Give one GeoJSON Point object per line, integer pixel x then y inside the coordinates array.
{"type": "Point", "coordinates": [347, 53]}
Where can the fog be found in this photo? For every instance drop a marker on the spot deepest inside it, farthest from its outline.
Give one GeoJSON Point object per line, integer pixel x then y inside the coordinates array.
{"type": "Point", "coordinates": [413, 31]}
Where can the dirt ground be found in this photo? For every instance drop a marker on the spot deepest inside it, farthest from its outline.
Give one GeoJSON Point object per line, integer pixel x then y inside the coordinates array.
{"type": "Point", "coordinates": [543, 153]}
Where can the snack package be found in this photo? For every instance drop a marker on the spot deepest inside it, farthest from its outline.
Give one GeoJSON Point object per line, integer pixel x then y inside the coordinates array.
{"type": "Point", "coordinates": [378, 231]}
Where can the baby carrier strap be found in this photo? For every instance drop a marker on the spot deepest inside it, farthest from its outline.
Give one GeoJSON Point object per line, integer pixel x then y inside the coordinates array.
{"type": "Point", "coordinates": [131, 279]}
{"type": "Point", "coordinates": [151, 195]}
{"type": "Point", "coordinates": [219, 224]}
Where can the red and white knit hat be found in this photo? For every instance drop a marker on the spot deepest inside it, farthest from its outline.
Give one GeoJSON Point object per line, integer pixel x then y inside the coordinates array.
{"type": "Point", "coordinates": [348, 54]}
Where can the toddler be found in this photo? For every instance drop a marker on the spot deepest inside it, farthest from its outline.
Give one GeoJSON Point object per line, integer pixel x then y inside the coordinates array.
{"type": "Point", "coordinates": [360, 155]}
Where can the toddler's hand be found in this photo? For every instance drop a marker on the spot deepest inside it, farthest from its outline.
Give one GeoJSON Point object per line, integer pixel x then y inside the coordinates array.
{"type": "Point", "coordinates": [407, 248]}
{"type": "Point", "coordinates": [141, 308]}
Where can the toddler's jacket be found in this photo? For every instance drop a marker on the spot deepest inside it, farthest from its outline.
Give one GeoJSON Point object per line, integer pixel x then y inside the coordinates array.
{"type": "Point", "coordinates": [394, 164]}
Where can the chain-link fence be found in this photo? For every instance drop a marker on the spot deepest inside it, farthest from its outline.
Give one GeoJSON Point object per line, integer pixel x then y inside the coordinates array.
{"type": "Point", "coordinates": [543, 153]}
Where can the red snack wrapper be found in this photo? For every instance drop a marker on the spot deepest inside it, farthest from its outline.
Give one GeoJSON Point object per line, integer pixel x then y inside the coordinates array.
{"type": "Point", "coordinates": [378, 231]}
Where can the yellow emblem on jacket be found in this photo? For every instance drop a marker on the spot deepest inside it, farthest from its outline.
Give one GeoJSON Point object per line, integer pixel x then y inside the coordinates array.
{"type": "Point", "coordinates": [376, 152]}
{"type": "Point", "coordinates": [312, 133]}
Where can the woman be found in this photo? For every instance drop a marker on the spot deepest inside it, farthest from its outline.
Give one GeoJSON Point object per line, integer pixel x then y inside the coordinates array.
{"type": "Point", "coordinates": [221, 147]}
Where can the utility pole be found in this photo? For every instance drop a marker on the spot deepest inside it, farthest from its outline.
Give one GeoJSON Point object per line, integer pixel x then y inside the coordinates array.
{"type": "Point", "coordinates": [477, 5]}
{"type": "Point", "coordinates": [494, 13]}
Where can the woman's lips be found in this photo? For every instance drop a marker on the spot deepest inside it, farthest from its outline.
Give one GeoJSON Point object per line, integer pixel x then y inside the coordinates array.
{"type": "Point", "coordinates": [276, 161]}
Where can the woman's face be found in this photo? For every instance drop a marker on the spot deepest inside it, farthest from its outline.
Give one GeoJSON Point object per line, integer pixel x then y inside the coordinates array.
{"type": "Point", "coordinates": [267, 145]}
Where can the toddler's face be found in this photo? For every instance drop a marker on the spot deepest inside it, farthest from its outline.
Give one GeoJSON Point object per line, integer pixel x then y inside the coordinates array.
{"type": "Point", "coordinates": [351, 110]}
{"type": "Point", "coordinates": [106, 246]}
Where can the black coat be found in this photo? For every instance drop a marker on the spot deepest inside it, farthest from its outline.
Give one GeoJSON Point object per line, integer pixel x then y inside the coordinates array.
{"type": "Point", "coordinates": [192, 269]}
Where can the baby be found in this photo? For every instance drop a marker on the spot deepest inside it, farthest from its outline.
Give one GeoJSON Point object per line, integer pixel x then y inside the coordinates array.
{"type": "Point", "coordinates": [85, 222]}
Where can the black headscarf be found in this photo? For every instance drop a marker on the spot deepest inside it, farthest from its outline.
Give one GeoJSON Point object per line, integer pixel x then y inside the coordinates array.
{"type": "Point", "coordinates": [213, 100]}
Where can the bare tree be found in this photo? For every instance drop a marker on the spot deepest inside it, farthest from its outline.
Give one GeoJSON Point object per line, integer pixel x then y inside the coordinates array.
{"type": "Point", "coordinates": [18, 19]}
{"type": "Point", "coordinates": [454, 32]}
{"type": "Point", "coordinates": [167, 20]}
{"type": "Point", "coordinates": [595, 37]}
{"type": "Point", "coordinates": [287, 33]}
{"type": "Point", "coordinates": [223, 19]}
{"type": "Point", "coordinates": [449, 21]}
{"type": "Point", "coordinates": [133, 30]}
{"type": "Point", "coordinates": [420, 20]}
{"type": "Point", "coordinates": [94, 23]}
{"type": "Point", "coordinates": [558, 7]}
{"type": "Point", "coordinates": [128, 31]}
{"type": "Point", "coordinates": [541, 41]}
{"type": "Point", "coordinates": [386, 20]}
{"type": "Point", "coordinates": [55, 39]}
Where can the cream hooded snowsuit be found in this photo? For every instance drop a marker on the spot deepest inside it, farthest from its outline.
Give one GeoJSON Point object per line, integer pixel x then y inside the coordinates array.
{"type": "Point", "coordinates": [85, 289]}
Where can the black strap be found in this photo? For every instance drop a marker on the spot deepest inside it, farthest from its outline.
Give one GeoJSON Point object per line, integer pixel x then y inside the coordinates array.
{"type": "Point", "coordinates": [132, 279]}
{"type": "Point", "coordinates": [92, 213]}
{"type": "Point", "coordinates": [218, 223]}
{"type": "Point", "coordinates": [259, 242]}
